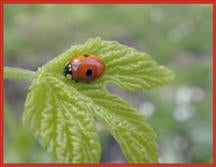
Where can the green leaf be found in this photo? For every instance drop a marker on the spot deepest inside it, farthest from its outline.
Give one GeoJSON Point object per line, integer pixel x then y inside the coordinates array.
{"type": "Point", "coordinates": [62, 123]}
{"type": "Point", "coordinates": [61, 113]}
{"type": "Point", "coordinates": [128, 127]}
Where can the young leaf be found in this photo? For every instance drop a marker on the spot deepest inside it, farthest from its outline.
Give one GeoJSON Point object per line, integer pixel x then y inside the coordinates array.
{"type": "Point", "coordinates": [127, 126]}
{"type": "Point", "coordinates": [62, 121]}
{"type": "Point", "coordinates": [61, 112]}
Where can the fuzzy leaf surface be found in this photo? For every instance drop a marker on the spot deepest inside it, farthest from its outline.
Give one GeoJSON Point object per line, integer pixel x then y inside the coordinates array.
{"type": "Point", "coordinates": [62, 113]}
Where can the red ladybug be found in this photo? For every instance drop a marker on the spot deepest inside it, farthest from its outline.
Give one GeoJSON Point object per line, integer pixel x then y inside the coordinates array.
{"type": "Point", "coordinates": [85, 68]}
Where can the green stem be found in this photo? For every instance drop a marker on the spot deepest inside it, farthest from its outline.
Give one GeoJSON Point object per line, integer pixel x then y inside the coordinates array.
{"type": "Point", "coordinates": [18, 74]}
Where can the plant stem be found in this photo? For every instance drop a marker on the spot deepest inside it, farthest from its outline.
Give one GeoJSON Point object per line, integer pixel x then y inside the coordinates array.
{"type": "Point", "coordinates": [18, 74]}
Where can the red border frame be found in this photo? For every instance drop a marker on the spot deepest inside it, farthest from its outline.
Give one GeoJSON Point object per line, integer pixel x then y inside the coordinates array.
{"type": "Point", "coordinates": [108, 1]}
{"type": "Point", "coordinates": [2, 2]}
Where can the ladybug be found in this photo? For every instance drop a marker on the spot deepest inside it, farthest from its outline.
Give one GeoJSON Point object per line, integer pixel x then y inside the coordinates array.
{"type": "Point", "coordinates": [85, 68]}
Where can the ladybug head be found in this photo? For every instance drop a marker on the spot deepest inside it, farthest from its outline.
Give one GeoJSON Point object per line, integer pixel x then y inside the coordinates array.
{"type": "Point", "coordinates": [68, 70]}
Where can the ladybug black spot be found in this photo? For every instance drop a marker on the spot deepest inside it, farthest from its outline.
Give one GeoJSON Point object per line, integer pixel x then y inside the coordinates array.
{"type": "Point", "coordinates": [89, 73]}
{"type": "Point", "coordinates": [86, 55]}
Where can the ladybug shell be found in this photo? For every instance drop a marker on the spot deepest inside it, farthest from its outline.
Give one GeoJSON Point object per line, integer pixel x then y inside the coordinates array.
{"type": "Point", "coordinates": [86, 68]}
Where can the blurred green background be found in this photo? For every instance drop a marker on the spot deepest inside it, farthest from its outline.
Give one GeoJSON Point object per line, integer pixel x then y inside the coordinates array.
{"type": "Point", "coordinates": [177, 36]}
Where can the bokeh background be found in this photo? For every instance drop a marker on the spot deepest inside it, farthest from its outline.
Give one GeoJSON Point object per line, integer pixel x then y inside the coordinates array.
{"type": "Point", "coordinates": [177, 36]}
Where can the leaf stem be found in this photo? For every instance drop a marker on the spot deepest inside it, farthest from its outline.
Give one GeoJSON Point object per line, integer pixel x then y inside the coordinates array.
{"type": "Point", "coordinates": [18, 74]}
